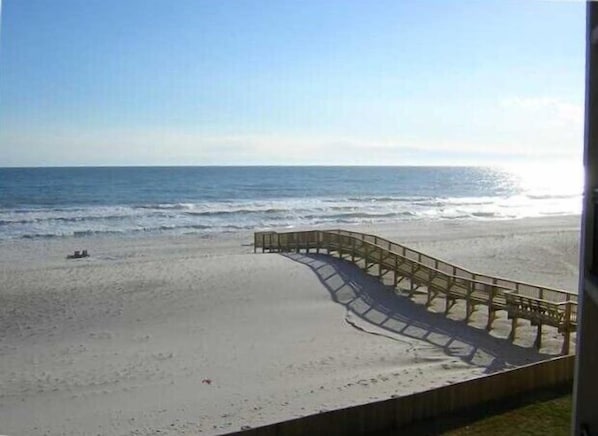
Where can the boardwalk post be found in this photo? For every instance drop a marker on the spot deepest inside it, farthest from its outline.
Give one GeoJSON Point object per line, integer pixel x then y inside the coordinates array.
{"type": "Point", "coordinates": [448, 303]}
{"type": "Point", "coordinates": [448, 299]}
{"type": "Point", "coordinates": [491, 311]}
{"type": "Point", "coordinates": [318, 234]}
{"type": "Point", "coordinates": [396, 277]}
{"type": "Point", "coordinates": [411, 282]}
{"type": "Point", "coordinates": [353, 250]}
{"type": "Point", "coordinates": [567, 329]}
{"type": "Point", "coordinates": [491, 318]}
{"type": "Point", "coordinates": [366, 249]}
{"type": "Point", "coordinates": [538, 341]}
{"type": "Point", "coordinates": [513, 333]}
{"type": "Point", "coordinates": [469, 308]}
{"type": "Point", "coordinates": [380, 264]}
{"type": "Point", "coordinates": [429, 296]}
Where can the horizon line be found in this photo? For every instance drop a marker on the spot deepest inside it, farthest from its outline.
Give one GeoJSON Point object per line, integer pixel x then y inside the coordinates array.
{"type": "Point", "coordinates": [278, 166]}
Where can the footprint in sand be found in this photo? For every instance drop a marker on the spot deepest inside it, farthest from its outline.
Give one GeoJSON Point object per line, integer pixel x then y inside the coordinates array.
{"type": "Point", "coordinates": [163, 356]}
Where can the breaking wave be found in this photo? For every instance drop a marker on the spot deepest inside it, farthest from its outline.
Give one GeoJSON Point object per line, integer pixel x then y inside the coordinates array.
{"type": "Point", "coordinates": [226, 216]}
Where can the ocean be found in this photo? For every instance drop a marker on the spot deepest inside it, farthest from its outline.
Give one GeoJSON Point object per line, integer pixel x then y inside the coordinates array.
{"type": "Point", "coordinates": [79, 202]}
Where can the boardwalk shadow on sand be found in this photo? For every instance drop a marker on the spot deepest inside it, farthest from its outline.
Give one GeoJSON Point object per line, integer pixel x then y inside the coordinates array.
{"type": "Point", "coordinates": [396, 317]}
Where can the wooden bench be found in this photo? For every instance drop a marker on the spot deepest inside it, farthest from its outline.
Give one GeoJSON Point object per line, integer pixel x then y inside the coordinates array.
{"type": "Point", "coordinates": [534, 309]}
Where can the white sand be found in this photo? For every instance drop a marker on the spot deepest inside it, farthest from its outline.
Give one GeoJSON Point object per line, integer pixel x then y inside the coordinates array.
{"type": "Point", "coordinates": [198, 335]}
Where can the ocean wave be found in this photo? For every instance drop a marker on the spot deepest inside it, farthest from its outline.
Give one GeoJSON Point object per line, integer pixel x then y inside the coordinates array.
{"type": "Point", "coordinates": [82, 233]}
{"type": "Point", "coordinates": [552, 196]}
{"type": "Point", "coordinates": [468, 201]}
{"type": "Point", "coordinates": [22, 210]}
{"type": "Point", "coordinates": [149, 229]}
{"type": "Point", "coordinates": [353, 215]}
{"type": "Point", "coordinates": [165, 206]}
{"type": "Point", "coordinates": [62, 219]}
{"type": "Point", "coordinates": [485, 214]}
{"type": "Point", "coordinates": [248, 214]}
{"type": "Point", "coordinates": [455, 216]}
{"type": "Point", "coordinates": [218, 213]}
{"type": "Point", "coordinates": [386, 199]}
{"type": "Point", "coordinates": [40, 236]}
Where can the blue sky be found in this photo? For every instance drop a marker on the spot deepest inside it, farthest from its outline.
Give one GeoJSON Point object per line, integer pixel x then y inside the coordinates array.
{"type": "Point", "coordinates": [191, 82]}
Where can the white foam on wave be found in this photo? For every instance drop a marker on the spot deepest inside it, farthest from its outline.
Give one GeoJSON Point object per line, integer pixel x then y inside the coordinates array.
{"type": "Point", "coordinates": [222, 216]}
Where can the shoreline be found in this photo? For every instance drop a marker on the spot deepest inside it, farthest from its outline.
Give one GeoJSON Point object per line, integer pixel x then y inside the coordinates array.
{"type": "Point", "coordinates": [430, 237]}
{"type": "Point", "coordinates": [191, 335]}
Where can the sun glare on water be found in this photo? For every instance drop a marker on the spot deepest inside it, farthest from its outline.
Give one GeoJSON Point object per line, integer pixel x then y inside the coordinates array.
{"type": "Point", "coordinates": [542, 189]}
{"type": "Point", "coordinates": [548, 180]}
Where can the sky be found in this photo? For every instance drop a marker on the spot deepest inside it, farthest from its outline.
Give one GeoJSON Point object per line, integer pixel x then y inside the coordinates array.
{"type": "Point", "coordinates": [310, 82]}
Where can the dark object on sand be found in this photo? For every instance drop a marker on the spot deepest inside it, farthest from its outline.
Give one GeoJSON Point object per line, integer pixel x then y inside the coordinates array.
{"type": "Point", "coordinates": [78, 255]}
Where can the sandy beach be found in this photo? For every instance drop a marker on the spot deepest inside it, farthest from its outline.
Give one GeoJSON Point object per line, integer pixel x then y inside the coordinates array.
{"type": "Point", "coordinates": [189, 334]}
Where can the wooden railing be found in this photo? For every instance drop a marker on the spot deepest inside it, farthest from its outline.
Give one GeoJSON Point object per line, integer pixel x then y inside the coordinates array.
{"type": "Point", "coordinates": [539, 304]}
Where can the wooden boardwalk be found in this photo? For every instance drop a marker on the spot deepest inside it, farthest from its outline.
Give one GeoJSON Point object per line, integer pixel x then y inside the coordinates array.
{"type": "Point", "coordinates": [419, 272]}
